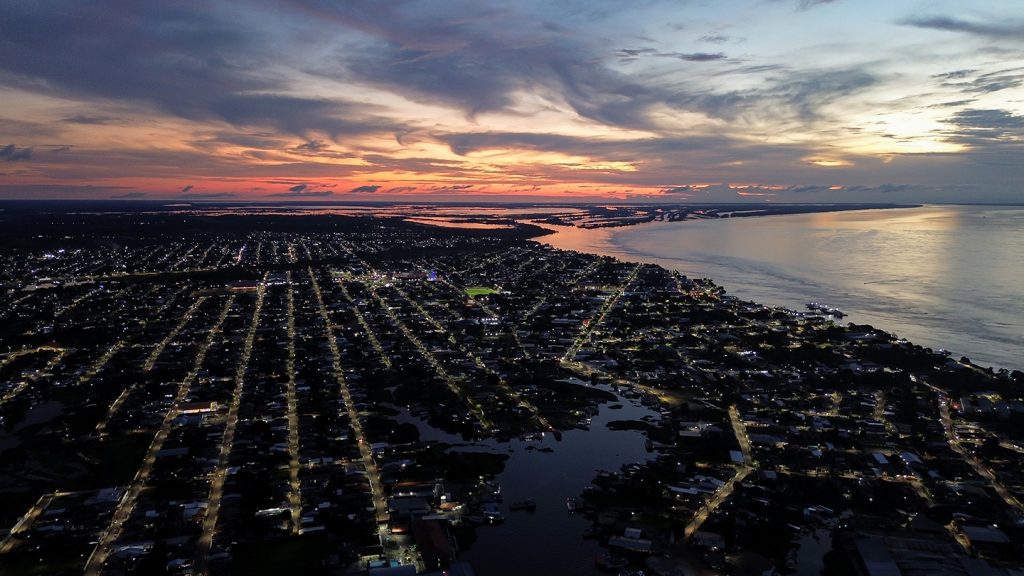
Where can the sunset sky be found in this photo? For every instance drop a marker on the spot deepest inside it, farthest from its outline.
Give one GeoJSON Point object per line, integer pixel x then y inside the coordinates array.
{"type": "Point", "coordinates": [689, 101]}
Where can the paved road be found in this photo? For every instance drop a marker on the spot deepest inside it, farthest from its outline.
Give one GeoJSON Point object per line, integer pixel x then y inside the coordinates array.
{"type": "Point", "coordinates": [94, 565]}
{"type": "Point", "coordinates": [205, 542]}
{"type": "Point", "coordinates": [742, 471]}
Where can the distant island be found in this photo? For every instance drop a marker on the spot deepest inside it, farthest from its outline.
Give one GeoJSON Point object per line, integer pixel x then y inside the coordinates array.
{"type": "Point", "coordinates": [529, 219]}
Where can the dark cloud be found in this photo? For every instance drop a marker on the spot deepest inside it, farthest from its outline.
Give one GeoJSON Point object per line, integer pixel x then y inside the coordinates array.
{"type": "Point", "coordinates": [685, 190]}
{"type": "Point", "coordinates": [806, 189]}
{"type": "Point", "coordinates": [188, 188]}
{"type": "Point", "coordinates": [714, 38]}
{"type": "Point", "coordinates": [207, 195]}
{"type": "Point", "coordinates": [320, 149]}
{"type": "Point", "coordinates": [432, 57]}
{"type": "Point", "coordinates": [800, 94]}
{"type": "Point", "coordinates": [129, 196]}
{"type": "Point", "coordinates": [954, 75]}
{"type": "Point", "coordinates": [732, 192]}
{"type": "Point", "coordinates": [757, 69]}
{"type": "Point", "coordinates": [401, 189]}
{"type": "Point", "coordinates": [631, 54]}
{"type": "Point", "coordinates": [982, 83]}
{"type": "Point", "coordinates": [301, 116]}
{"type": "Point", "coordinates": [368, 189]}
{"type": "Point", "coordinates": [646, 161]}
{"type": "Point", "coordinates": [191, 62]}
{"type": "Point", "coordinates": [884, 188]}
{"type": "Point", "coordinates": [615, 150]}
{"type": "Point", "coordinates": [808, 4]}
{"type": "Point", "coordinates": [207, 64]}
{"type": "Point", "coordinates": [994, 145]}
{"type": "Point", "coordinates": [242, 77]}
{"type": "Point", "coordinates": [839, 192]}
{"type": "Point", "coordinates": [998, 120]}
{"type": "Point", "coordinates": [303, 194]}
{"type": "Point", "coordinates": [697, 56]}
{"type": "Point", "coordinates": [84, 119]}
{"type": "Point", "coordinates": [998, 80]}
{"type": "Point", "coordinates": [480, 61]}
{"type": "Point", "coordinates": [987, 126]}
{"type": "Point", "coordinates": [12, 153]}
{"type": "Point", "coordinates": [1007, 30]}
{"type": "Point", "coordinates": [453, 188]}
{"type": "Point", "coordinates": [414, 165]}
{"type": "Point", "coordinates": [723, 192]}
{"type": "Point", "coordinates": [656, 163]}
{"type": "Point", "coordinates": [312, 146]}
{"type": "Point", "coordinates": [302, 190]}
{"type": "Point", "coordinates": [951, 104]}
{"type": "Point", "coordinates": [37, 191]}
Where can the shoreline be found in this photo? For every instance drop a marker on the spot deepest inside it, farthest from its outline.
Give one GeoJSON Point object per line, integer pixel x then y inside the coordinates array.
{"type": "Point", "coordinates": [743, 285]}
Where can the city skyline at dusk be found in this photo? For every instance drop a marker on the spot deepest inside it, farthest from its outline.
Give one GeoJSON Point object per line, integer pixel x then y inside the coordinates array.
{"type": "Point", "coordinates": [770, 100]}
{"type": "Point", "coordinates": [447, 288]}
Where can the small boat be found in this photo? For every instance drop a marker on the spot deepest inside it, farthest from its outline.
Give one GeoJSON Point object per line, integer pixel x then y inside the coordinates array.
{"type": "Point", "coordinates": [529, 504]}
{"type": "Point", "coordinates": [631, 572]}
{"type": "Point", "coordinates": [611, 562]}
{"type": "Point", "coordinates": [491, 491]}
{"type": "Point", "coordinates": [570, 504]}
{"type": "Point", "coordinates": [825, 309]}
{"type": "Point", "coordinates": [493, 514]}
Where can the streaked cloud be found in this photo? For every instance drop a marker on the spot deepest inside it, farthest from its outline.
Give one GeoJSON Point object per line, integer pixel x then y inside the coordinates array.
{"type": "Point", "coordinates": [808, 4]}
{"type": "Point", "coordinates": [368, 189]}
{"type": "Point", "coordinates": [1012, 29]}
{"type": "Point", "coordinates": [207, 195]}
{"type": "Point", "coordinates": [12, 153]}
{"type": "Point", "coordinates": [304, 98]}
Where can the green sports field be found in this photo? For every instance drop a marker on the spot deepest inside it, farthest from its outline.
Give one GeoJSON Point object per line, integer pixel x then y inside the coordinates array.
{"type": "Point", "coordinates": [475, 291]}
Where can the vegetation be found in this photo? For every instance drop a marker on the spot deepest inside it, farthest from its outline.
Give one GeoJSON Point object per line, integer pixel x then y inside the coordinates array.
{"type": "Point", "coordinates": [475, 291]}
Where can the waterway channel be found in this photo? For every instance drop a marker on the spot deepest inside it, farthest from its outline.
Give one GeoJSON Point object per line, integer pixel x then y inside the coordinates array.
{"type": "Point", "coordinates": [550, 539]}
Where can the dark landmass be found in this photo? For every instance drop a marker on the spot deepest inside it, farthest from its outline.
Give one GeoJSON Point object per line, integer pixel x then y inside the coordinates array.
{"type": "Point", "coordinates": [220, 393]}
{"type": "Point", "coordinates": [53, 223]}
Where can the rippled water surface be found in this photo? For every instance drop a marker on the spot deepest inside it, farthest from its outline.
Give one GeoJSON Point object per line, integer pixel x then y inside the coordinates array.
{"type": "Point", "coordinates": [942, 276]}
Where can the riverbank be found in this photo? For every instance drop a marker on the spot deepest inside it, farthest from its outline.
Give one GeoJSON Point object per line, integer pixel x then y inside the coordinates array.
{"type": "Point", "coordinates": [942, 276]}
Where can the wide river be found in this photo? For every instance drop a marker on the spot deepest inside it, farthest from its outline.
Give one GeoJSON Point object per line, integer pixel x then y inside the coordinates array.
{"type": "Point", "coordinates": [941, 276]}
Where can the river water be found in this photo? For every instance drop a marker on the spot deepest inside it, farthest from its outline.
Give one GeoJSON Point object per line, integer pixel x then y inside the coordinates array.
{"type": "Point", "coordinates": [550, 539]}
{"type": "Point", "coordinates": [941, 276]}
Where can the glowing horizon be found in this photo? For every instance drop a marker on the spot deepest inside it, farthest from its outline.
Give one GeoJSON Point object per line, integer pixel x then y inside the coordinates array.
{"type": "Point", "coordinates": [759, 100]}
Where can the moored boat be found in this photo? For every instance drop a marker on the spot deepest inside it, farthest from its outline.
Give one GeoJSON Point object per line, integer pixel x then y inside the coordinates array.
{"type": "Point", "coordinates": [611, 562]}
{"type": "Point", "coordinates": [492, 513]}
{"type": "Point", "coordinates": [528, 504]}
